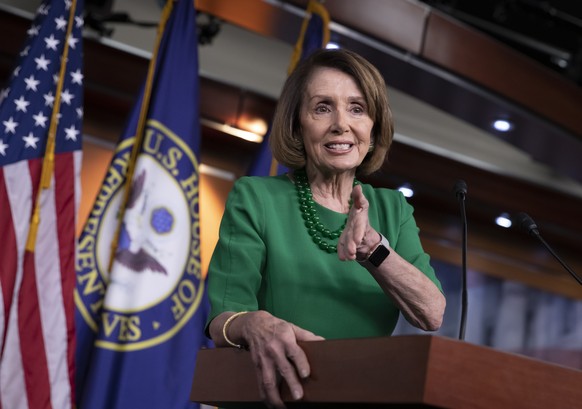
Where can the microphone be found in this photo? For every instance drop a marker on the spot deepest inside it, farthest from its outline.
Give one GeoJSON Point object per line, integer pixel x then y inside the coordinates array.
{"type": "Point", "coordinates": [460, 190]}
{"type": "Point", "coordinates": [527, 224]}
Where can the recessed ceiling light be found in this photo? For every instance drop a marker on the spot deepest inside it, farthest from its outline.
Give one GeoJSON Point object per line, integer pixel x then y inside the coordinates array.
{"type": "Point", "coordinates": [406, 190]}
{"type": "Point", "coordinates": [502, 125]}
{"type": "Point", "coordinates": [503, 220]}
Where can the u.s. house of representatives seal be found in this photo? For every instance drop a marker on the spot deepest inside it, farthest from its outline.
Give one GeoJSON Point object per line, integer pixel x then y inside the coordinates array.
{"type": "Point", "coordinates": [154, 286]}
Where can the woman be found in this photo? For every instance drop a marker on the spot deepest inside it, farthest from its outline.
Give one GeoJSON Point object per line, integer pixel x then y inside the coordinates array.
{"type": "Point", "coordinates": [315, 254]}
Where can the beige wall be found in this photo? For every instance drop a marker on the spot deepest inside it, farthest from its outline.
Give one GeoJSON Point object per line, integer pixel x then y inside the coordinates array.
{"type": "Point", "coordinates": [213, 192]}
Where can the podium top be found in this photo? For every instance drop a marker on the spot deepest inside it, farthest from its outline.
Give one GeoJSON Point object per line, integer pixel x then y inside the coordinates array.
{"type": "Point", "coordinates": [411, 371]}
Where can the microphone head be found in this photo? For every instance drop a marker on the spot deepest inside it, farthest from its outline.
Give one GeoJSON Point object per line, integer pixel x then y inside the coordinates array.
{"type": "Point", "coordinates": [460, 188]}
{"type": "Point", "coordinates": [527, 224]}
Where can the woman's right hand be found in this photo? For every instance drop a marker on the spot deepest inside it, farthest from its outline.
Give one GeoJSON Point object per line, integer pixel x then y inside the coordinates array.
{"type": "Point", "coordinates": [274, 351]}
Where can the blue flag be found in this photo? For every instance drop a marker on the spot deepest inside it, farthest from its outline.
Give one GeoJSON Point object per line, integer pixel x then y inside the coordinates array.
{"type": "Point", "coordinates": [142, 302]}
{"type": "Point", "coordinates": [314, 35]}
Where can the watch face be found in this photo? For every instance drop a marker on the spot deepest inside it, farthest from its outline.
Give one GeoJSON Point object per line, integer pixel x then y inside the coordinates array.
{"type": "Point", "coordinates": [379, 255]}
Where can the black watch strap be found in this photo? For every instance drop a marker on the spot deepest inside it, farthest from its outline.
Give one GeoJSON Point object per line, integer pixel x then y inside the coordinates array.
{"type": "Point", "coordinates": [379, 254]}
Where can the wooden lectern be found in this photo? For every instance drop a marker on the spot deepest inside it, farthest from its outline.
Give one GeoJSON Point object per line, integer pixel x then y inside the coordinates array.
{"type": "Point", "coordinates": [418, 371]}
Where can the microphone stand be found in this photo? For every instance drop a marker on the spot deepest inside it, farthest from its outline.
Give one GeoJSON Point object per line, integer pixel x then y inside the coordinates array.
{"type": "Point", "coordinates": [461, 191]}
{"type": "Point", "coordinates": [527, 224]}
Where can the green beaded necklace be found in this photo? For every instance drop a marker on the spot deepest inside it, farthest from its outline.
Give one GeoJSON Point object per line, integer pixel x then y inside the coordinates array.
{"type": "Point", "coordinates": [318, 232]}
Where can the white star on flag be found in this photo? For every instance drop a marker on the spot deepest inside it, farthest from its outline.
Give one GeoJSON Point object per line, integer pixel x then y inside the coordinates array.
{"type": "Point", "coordinates": [4, 93]}
{"type": "Point", "coordinates": [10, 125]}
{"type": "Point", "coordinates": [43, 9]}
{"type": "Point", "coordinates": [51, 42]}
{"type": "Point", "coordinates": [33, 30]}
{"type": "Point", "coordinates": [21, 104]}
{"type": "Point", "coordinates": [3, 147]}
{"type": "Point", "coordinates": [77, 77]}
{"type": "Point", "coordinates": [24, 52]}
{"type": "Point", "coordinates": [30, 140]}
{"type": "Point", "coordinates": [67, 97]}
{"type": "Point", "coordinates": [73, 41]}
{"type": "Point", "coordinates": [42, 63]}
{"type": "Point", "coordinates": [31, 83]}
{"type": "Point", "coordinates": [79, 113]}
{"type": "Point", "coordinates": [40, 119]}
{"type": "Point", "coordinates": [61, 23]}
{"type": "Point", "coordinates": [71, 133]}
{"type": "Point", "coordinates": [49, 99]}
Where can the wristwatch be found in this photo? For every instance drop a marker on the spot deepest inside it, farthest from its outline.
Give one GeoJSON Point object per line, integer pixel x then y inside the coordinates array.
{"type": "Point", "coordinates": [379, 254]}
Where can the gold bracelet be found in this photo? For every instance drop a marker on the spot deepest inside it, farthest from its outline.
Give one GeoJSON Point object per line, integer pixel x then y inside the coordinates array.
{"type": "Point", "coordinates": [225, 327]}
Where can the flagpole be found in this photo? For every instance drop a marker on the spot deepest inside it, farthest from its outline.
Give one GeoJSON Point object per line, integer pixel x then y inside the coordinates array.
{"type": "Point", "coordinates": [48, 162]}
{"type": "Point", "coordinates": [137, 143]}
{"type": "Point", "coordinates": [314, 7]}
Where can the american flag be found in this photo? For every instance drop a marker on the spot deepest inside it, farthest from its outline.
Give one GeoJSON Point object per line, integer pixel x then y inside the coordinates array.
{"type": "Point", "coordinates": [43, 97]}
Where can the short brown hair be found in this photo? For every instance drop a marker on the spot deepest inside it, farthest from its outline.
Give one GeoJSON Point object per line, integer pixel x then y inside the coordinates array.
{"type": "Point", "coordinates": [285, 137]}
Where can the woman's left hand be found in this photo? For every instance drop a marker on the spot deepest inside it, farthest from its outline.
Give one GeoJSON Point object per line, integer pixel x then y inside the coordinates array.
{"type": "Point", "coordinates": [358, 236]}
{"type": "Point", "coordinates": [418, 298]}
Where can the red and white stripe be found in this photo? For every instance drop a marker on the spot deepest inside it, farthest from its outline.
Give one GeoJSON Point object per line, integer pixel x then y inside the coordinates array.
{"type": "Point", "coordinates": [37, 305]}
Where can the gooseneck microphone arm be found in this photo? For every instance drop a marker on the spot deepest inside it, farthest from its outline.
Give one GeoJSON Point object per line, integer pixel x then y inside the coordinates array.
{"type": "Point", "coordinates": [527, 224]}
{"type": "Point", "coordinates": [460, 190]}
